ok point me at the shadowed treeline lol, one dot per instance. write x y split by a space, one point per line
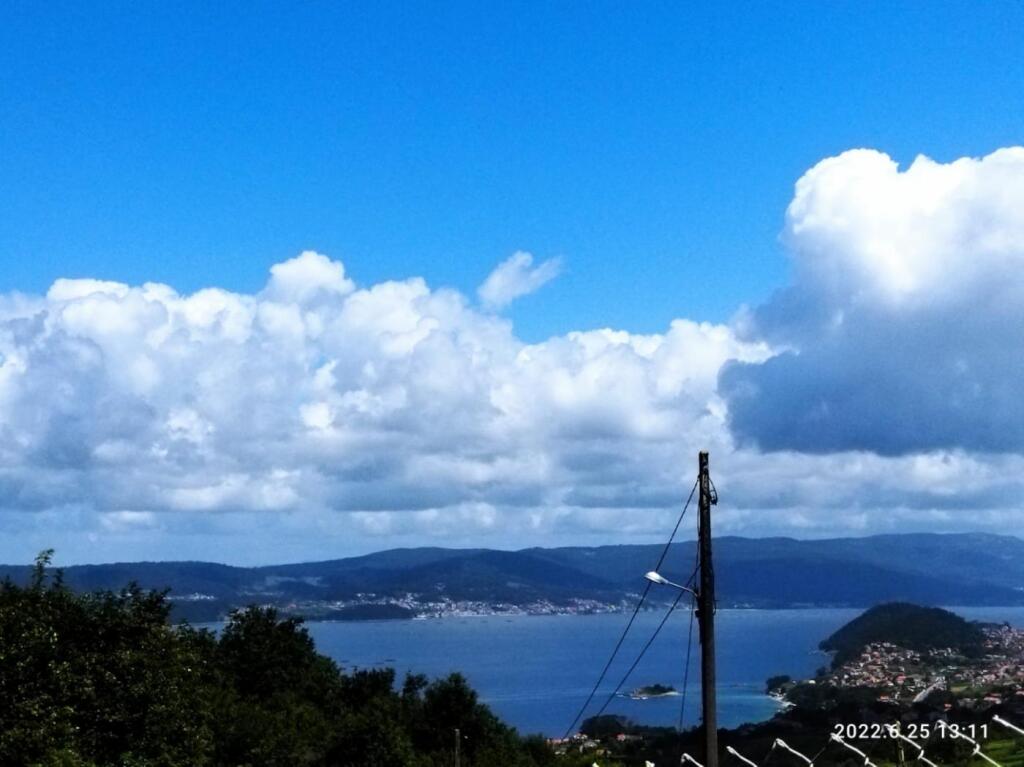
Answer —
103 678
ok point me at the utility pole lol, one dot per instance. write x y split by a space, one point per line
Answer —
706 613
458 738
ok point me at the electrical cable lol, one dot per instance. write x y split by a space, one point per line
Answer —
632 618
639 657
664 551
686 673
689 647
607 665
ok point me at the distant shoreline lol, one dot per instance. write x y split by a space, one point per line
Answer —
763 574
509 616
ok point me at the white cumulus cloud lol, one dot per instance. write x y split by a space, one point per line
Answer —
879 391
905 320
313 397
516 276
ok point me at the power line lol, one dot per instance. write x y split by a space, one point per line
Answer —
664 551
689 646
686 673
639 657
607 665
632 618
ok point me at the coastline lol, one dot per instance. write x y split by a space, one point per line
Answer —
540 690
443 615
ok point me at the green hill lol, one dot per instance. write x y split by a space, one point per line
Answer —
924 569
910 626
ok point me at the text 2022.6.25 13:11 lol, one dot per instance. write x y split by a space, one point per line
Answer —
976 732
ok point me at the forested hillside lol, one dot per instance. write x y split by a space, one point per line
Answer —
909 626
962 569
90 679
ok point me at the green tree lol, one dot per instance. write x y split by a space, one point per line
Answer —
98 677
102 679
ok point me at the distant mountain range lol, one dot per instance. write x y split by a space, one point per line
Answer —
927 569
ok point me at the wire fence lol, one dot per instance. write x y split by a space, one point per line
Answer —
947 730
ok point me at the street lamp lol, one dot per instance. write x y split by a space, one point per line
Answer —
655 577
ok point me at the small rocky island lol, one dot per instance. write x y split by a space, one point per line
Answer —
653 691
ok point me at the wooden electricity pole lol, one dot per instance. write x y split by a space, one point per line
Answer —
706 613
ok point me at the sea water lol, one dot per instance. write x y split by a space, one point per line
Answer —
535 672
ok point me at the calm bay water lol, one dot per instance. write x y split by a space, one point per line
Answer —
536 671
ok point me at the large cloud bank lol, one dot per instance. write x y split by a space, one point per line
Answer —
905 320
880 391
317 396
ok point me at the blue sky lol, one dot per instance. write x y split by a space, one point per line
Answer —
292 281
652 146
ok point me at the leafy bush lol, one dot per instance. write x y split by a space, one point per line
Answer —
89 680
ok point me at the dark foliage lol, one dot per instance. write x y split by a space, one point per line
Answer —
606 725
775 683
102 678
